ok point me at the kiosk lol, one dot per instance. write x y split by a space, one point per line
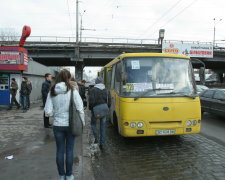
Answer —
13 61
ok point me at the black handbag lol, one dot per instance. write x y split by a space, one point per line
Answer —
75 122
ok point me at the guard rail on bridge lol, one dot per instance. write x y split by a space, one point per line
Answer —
56 40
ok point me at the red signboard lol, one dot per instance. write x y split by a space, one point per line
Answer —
13 58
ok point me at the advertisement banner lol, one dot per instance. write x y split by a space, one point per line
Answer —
189 49
13 58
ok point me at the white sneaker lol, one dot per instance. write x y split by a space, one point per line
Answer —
70 177
62 178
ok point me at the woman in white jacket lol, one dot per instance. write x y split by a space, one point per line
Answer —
57 105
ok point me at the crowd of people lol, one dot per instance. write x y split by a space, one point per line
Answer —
56 96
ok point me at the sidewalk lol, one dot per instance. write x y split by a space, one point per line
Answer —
33 147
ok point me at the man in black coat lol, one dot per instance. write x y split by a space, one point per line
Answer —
24 92
44 91
13 92
30 89
82 91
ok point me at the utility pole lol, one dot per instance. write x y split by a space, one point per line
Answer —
77 21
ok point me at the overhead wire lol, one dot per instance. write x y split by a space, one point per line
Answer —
68 8
161 17
179 13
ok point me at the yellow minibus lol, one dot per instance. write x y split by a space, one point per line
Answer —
153 94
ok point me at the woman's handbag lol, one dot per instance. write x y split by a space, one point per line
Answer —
100 110
75 122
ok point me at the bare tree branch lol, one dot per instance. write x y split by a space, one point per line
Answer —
8 35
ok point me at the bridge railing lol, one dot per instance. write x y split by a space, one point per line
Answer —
72 40
40 40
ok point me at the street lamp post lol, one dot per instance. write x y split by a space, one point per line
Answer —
214 31
81 22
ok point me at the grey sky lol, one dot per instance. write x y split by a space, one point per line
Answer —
182 20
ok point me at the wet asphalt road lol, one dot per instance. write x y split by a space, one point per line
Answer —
187 157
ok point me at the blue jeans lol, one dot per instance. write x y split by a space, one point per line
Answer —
24 101
102 127
64 141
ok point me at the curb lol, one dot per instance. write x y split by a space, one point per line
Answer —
87 170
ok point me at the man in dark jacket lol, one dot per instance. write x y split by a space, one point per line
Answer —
44 91
29 92
24 92
13 91
99 95
82 92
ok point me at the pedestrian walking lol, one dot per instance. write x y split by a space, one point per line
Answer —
82 92
24 92
29 92
13 92
44 91
57 104
99 100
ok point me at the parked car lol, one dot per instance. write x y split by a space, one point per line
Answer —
213 101
201 88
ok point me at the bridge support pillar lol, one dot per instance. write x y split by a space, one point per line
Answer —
79 66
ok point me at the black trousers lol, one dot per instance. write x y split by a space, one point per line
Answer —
13 100
46 119
28 101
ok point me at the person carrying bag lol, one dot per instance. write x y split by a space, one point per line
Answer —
99 103
65 109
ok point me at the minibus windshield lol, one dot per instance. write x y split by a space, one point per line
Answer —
157 76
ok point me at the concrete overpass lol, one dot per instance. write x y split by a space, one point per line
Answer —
62 51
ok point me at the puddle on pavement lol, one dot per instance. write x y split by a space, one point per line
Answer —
32 146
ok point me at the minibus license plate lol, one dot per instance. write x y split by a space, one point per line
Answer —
165 132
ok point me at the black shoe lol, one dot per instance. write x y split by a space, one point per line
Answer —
10 108
101 147
96 141
18 107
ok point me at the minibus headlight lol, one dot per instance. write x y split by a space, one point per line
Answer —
133 124
140 125
194 122
188 123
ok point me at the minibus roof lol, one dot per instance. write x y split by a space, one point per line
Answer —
120 57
